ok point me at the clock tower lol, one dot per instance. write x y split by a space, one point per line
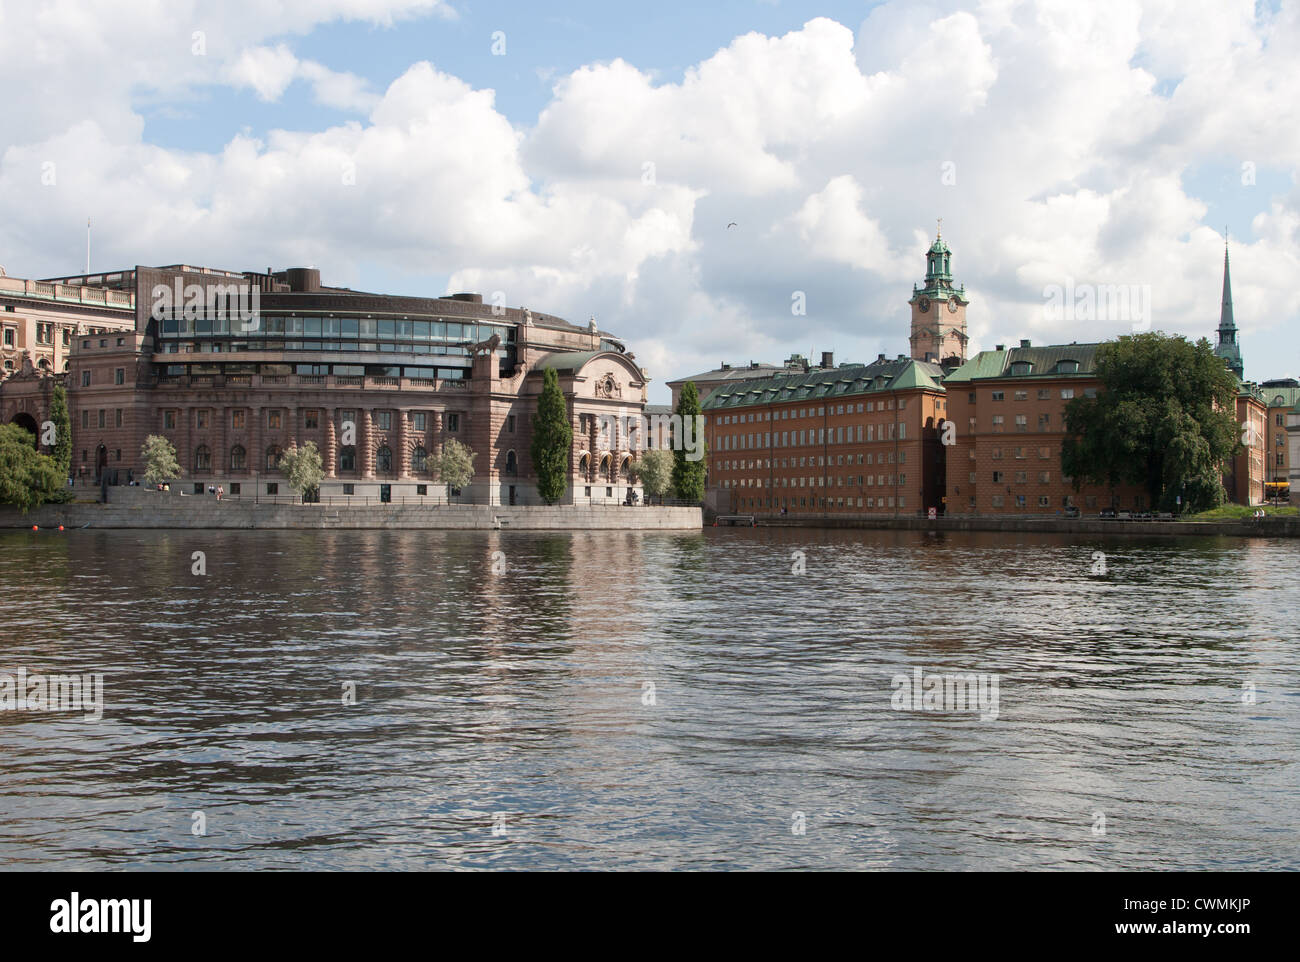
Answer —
939 310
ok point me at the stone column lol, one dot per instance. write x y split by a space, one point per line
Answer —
403 446
292 426
365 444
257 432
330 454
221 452
187 458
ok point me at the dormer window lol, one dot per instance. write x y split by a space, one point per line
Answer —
1021 368
1067 367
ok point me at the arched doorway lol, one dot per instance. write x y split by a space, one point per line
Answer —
28 423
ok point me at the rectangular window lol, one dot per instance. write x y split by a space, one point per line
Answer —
510 424
237 420
997 424
1044 477
384 420
169 420
996 454
310 419
117 418
453 422
1020 477
1067 393
997 477
422 489
349 489
101 417
1022 422
119 375
419 421
273 488
234 488
1044 393
1044 422
85 378
85 419
998 395
997 500
273 420
1022 395
201 419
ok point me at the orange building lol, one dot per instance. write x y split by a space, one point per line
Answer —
859 439
1008 413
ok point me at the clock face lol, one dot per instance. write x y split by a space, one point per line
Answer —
923 304
952 304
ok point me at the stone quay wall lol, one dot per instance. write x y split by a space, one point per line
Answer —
209 513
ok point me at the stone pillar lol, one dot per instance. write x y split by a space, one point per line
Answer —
187 435
292 426
403 445
366 445
221 451
257 432
330 454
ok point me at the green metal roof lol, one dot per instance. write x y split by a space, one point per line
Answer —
568 360
1047 361
1290 396
845 381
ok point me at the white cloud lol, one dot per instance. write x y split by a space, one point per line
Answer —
1068 129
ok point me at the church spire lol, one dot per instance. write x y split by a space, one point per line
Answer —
1226 323
1228 347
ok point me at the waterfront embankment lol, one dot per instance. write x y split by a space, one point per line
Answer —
1243 528
200 512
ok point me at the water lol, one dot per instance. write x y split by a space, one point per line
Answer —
504 720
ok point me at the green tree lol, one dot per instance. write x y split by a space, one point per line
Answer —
1165 419
62 452
688 446
160 464
27 477
454 467
552 440
654 469
302 466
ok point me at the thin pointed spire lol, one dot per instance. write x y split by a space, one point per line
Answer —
1226 323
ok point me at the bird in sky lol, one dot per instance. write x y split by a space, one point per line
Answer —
732 224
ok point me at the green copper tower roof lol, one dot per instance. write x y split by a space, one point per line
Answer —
938 275
1228 347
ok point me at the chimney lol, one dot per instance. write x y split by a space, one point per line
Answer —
931 357
880 359
828 360
1024 342
726 366
1000 347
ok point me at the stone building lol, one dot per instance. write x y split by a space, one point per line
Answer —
234 368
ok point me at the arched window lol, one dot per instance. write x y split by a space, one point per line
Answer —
605 470
348 458
67 366
44 364
202 458
512 465
237 458
584 466
419 459
625 469
273 457
384 459
9 365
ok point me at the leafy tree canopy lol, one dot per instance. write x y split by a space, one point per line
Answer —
1164 418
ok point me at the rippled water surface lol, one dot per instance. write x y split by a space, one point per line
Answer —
1147 718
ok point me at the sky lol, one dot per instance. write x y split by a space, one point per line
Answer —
586 159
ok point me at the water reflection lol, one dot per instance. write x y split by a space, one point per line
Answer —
504 679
